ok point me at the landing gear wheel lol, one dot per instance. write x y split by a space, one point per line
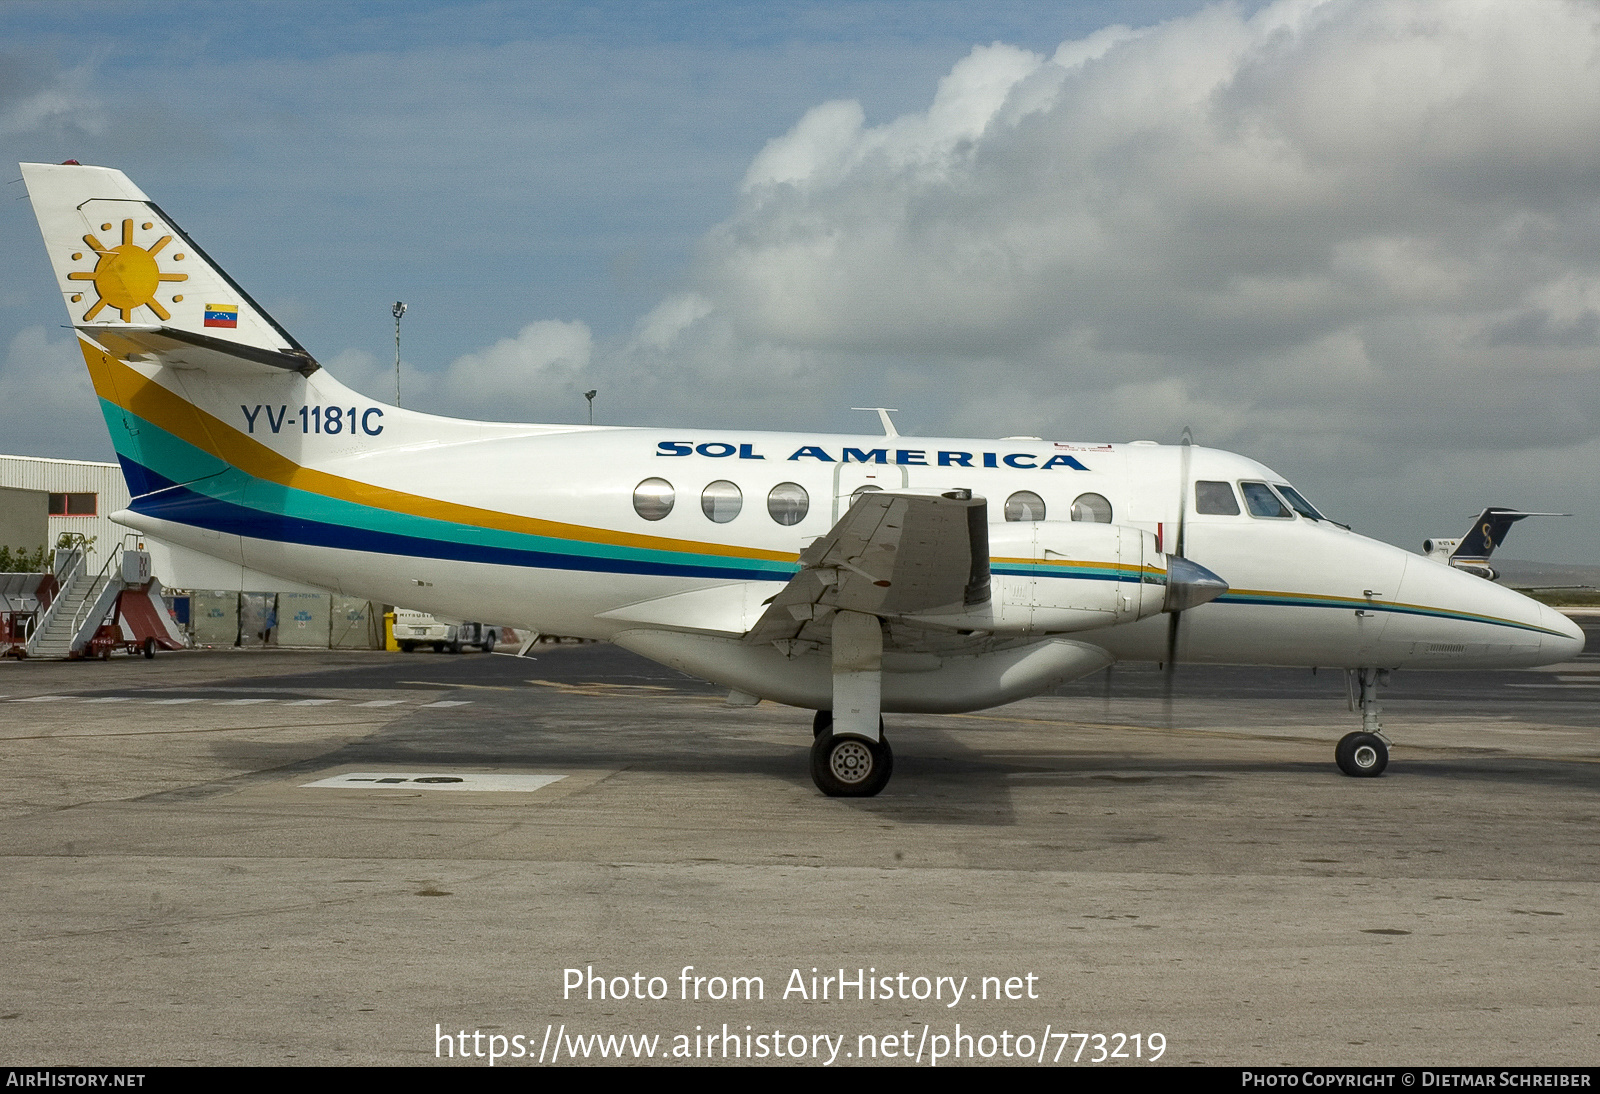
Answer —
149 649
821 723
1362 755
849 766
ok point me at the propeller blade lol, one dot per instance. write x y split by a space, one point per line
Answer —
1192 581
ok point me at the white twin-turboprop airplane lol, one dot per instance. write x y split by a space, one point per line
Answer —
852 575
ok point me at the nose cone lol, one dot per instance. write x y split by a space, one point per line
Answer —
1453 619
1190 584
1566 643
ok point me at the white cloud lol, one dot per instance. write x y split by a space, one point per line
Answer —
531 377
1374 220
47 406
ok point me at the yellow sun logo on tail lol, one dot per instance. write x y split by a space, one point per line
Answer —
126 277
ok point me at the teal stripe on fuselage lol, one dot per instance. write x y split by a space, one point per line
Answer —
153 447
1082 573
178 458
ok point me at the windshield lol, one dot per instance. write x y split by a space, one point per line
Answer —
1262 502
1298 503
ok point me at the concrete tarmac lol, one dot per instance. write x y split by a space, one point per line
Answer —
1092 874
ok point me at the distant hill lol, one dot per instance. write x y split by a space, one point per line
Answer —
1521 574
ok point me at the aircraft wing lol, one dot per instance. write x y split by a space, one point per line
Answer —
891 553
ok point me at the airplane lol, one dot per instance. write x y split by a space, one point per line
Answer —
852 575
1471 552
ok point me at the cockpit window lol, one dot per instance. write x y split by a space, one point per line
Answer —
1298 503
1262 502
1215 499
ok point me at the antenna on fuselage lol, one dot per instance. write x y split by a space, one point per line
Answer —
883 416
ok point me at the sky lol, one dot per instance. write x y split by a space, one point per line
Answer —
1359 242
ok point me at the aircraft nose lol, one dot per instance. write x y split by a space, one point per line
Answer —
1570 639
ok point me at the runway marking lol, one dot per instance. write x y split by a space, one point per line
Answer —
434 780
453 687
598 688
232 702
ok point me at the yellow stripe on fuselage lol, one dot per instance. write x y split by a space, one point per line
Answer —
138 394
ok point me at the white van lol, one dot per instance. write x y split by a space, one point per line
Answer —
413 629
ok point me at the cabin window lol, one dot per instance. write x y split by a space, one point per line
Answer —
1092 508
1215 499
1262 502
1298 503
72 505
1024 506
721 501
788 503
653 498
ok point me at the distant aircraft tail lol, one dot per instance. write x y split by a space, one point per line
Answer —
1471 552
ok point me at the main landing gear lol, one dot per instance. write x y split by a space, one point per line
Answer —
1364 755
846 766
850 757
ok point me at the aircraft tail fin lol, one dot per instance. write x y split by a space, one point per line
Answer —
133 280
1488 532
1471 552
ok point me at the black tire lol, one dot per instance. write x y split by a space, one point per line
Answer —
488 642
1362 755
438 647
847 766
821 723
455 647
408 647
149 649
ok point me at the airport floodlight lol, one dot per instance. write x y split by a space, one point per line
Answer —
589 395
397 311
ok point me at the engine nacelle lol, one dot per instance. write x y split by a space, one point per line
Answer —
1056 577
1440 549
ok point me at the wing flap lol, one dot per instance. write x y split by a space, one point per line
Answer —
892 553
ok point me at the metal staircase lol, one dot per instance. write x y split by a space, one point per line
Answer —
83 604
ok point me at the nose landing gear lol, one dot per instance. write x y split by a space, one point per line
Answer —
1364 755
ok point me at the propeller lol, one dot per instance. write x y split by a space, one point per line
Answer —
1188 583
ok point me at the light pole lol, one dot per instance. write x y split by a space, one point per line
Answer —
398 310
590 396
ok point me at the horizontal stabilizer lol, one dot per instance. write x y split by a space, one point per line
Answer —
177 348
